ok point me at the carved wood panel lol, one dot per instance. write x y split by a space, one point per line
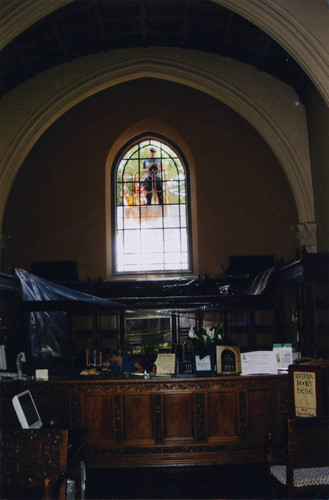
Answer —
263 415
137 419
222 415
200 416
98 418
178 415
54 407
182 421
27 457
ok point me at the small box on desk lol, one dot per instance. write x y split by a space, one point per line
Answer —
228 359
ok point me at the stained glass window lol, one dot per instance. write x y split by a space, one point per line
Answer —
151 222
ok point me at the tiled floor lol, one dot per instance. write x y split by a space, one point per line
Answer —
198 482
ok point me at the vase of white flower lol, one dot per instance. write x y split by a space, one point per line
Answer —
205 339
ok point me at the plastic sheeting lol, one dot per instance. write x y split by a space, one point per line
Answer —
260 282
49 329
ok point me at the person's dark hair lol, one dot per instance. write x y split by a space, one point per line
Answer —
108 353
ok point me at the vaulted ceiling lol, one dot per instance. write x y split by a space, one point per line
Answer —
87 27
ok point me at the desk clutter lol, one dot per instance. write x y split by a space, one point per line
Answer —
183 360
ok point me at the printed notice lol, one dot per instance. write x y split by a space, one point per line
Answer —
165 364
203 364
258 362
305 394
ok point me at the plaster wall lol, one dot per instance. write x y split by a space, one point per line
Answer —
318 119
262 100
242 203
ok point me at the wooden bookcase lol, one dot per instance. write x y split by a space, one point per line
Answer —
294 309
303 301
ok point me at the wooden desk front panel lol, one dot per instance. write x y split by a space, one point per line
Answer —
97 416
179 418
263 413
223 415
167 422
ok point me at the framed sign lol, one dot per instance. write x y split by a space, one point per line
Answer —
165 364
305 391
228 359
203 366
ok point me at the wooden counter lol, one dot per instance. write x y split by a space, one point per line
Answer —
163 421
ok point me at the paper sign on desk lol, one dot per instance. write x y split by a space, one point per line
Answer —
259 362
203 364
165 364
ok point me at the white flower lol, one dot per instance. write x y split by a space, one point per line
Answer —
210 330
191 333
204 337
219 336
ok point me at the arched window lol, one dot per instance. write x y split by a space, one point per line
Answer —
151 209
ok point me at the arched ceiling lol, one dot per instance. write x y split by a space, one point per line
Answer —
88 27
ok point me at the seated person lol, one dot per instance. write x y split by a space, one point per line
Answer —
122 362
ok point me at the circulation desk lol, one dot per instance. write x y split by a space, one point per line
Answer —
159 421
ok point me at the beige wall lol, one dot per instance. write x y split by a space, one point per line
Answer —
318 119
56 209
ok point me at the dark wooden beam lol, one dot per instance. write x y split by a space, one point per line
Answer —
19 55
228 31
263 53
186 24
143 21
99 20
57 35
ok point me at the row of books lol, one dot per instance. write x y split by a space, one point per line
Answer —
93 358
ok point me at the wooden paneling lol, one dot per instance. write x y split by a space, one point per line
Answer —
137 419
222 415
178 411
29 458
262 413
164 421
83 323
108 322
98 418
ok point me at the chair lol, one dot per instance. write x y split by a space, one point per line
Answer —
33 463
304 467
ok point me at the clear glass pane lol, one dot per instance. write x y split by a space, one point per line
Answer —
167 151
152 267
119 218
131 167
119 250
119 194
155 258
151 241
173 258
172 240
171 216
184 241
183 217
131 241
180 266
151 216
131 217
120 170
173 191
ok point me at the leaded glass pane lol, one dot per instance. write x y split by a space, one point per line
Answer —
151 209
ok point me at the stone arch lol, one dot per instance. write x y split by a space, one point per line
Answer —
219 81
